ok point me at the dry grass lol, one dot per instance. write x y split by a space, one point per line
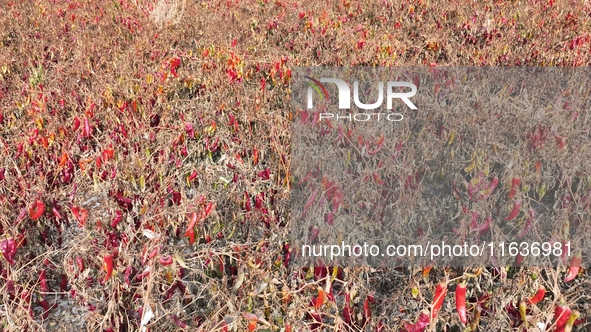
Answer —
134 75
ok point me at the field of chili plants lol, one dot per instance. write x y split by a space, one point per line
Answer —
145 164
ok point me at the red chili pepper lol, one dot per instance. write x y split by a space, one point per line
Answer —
63 160
46 308
174 64
514 211
108 153
366 310
153 254
561 315
209 209
143 274
420 325
76 124
117 219
80 263
255 156
539 296
573 269
107 266
165 260
440 292
514 185
319 301
461 301
529 222
8 250
193 176
191 234
347 315
194 218
63 283
87 130
81 214
37 210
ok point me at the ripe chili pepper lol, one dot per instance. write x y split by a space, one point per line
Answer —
63 283
8 250
194 218
209 209
514 211
347 314
366 311
143 274
514 185
539 296
440 292
81 214
165 260
426 272
117 219
529 222
561 315
87 130
63 160
37 210
76 124
420 325
153 254
107 266
174 64
108 153
461 301
255 156
573 269
80 263
191 234
320 299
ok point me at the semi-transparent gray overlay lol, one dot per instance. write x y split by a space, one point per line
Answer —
476 160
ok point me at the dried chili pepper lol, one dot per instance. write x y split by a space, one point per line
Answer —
514 185
561 314
461 301
319 301
420 325
37 210
347 312
440 292
573 269
8 250
117 219
514 211
80 263
539 296
191 234
81 215
165 260
107 266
